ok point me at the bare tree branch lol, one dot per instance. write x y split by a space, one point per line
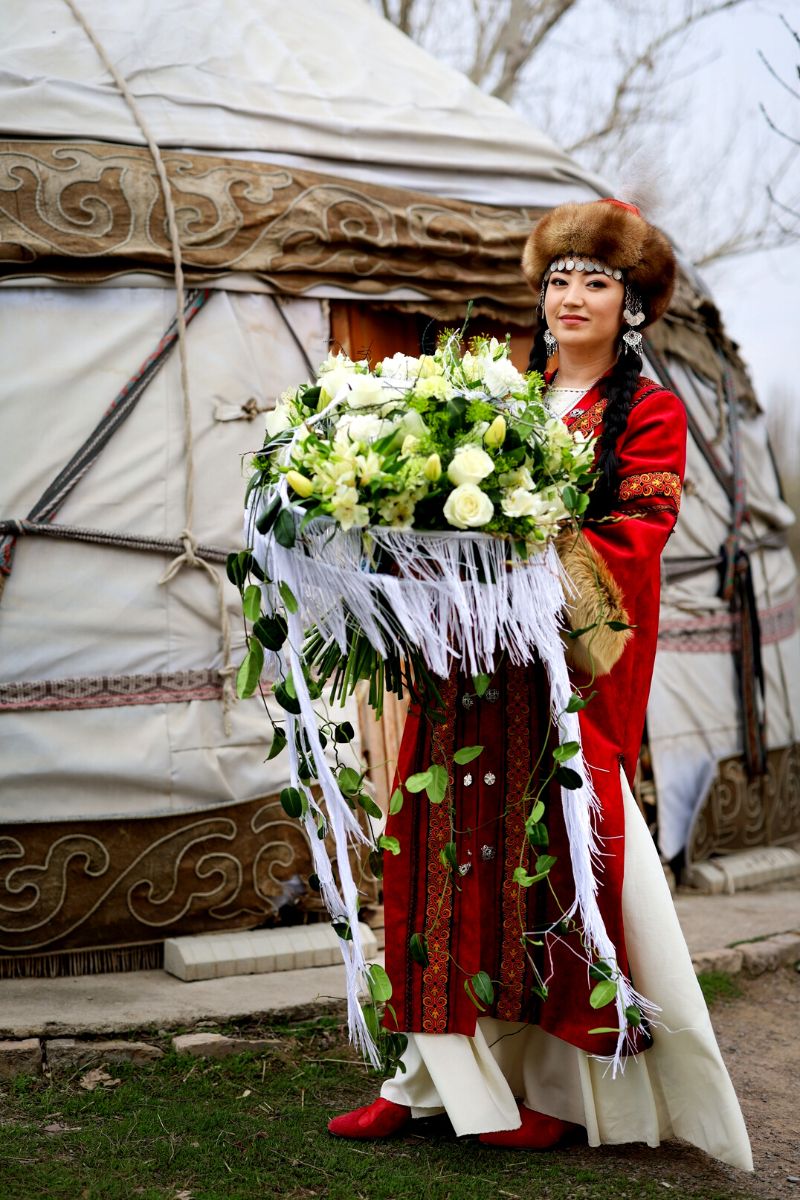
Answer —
776 129
644 63
775 74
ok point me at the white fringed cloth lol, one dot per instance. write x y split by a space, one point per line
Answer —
452 597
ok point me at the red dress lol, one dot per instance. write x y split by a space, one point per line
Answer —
472 918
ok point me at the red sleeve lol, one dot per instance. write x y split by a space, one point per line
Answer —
652 458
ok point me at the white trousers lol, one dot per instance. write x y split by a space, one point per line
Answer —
677 1088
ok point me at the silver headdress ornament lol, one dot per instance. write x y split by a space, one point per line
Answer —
632 316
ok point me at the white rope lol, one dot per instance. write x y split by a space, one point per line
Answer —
189 557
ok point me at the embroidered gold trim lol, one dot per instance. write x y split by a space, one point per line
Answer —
652 483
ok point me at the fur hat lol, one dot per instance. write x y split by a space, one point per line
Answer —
609 232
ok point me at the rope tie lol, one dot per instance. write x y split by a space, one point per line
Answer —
189 557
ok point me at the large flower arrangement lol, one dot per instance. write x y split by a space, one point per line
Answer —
398 520
442 440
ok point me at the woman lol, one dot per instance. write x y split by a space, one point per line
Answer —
523 1063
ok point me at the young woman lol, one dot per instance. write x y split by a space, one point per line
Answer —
530 1062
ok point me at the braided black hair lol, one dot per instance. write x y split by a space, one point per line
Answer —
619 388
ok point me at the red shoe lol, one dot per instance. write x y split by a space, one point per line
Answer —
537 1132
380 1119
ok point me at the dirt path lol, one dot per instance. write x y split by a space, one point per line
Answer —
758 1036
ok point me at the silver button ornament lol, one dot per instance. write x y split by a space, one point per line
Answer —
467 701
464 869
492 695
490 778
467 780
488 853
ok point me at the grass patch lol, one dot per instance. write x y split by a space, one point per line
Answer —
718 985
254 1126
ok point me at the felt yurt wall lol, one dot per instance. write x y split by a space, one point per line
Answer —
332 184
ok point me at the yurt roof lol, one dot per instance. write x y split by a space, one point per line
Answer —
329 86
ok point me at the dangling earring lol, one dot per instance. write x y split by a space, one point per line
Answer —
632 316
551 344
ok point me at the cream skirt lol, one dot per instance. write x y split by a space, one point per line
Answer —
677 1088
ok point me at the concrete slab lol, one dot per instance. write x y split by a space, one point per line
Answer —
713 922
136 1000
139 1000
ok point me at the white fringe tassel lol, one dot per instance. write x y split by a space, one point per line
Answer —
437 599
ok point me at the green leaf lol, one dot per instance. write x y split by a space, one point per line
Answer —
577 703
380 985
566 751
537 833
571 496
237 567
343 929
285 531
605 1029
603 993
481 683
278 744
396 801
466 754
480 986
292 802
633 1015
376 863
271 631
314 883
576 633
290 703
536 813
249 672
418 949
617 626
389 843
544 862
418 782
369 806
287 596
267 518
569 779
291 690
436 786
601 970
522 877
343 732
349 781
447 856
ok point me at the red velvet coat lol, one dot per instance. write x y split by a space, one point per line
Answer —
472 919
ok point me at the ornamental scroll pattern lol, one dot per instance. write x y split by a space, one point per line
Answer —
739 813
84 212
117 883
651 483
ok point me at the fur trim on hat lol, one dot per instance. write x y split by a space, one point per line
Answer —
599 600
609 233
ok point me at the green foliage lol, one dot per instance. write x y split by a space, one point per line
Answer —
603 993
718 985
389 843
395 801
418 949
249 672
288 597
293 802
480 990
466 754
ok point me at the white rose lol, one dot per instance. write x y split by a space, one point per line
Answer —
277 420
501 376
365 390
520 503
518 478
468 507
365 427
470 464
333 382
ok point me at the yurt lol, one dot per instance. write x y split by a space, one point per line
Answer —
330 184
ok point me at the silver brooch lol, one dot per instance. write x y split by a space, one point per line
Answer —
467 779
492 695
464 868
488 853
467 701
489 777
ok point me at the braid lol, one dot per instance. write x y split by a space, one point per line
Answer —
538 355
620 388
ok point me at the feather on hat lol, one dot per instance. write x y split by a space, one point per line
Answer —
613 233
